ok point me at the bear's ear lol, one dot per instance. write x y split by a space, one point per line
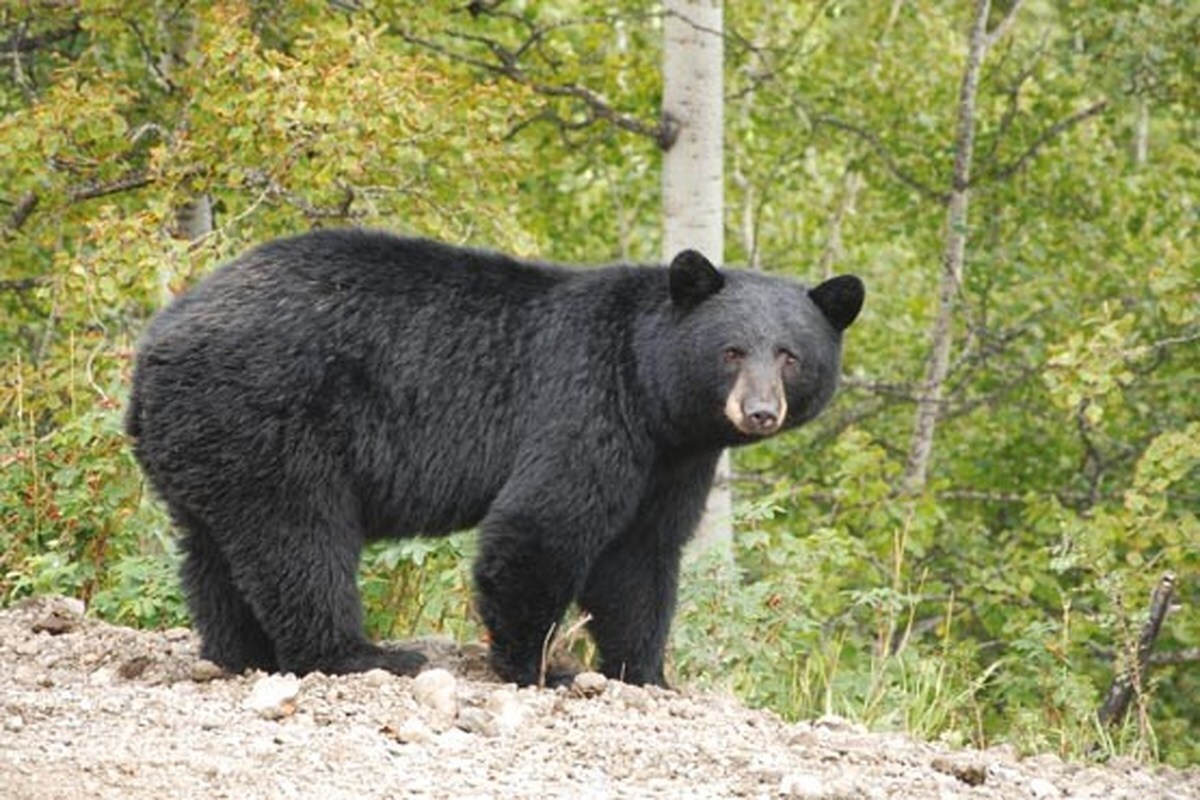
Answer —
840 299
693 279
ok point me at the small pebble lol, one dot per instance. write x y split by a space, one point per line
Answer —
204 671
802 784
413 731
273 696
475 720
1040 787
377 677
589 684
966 768
437 690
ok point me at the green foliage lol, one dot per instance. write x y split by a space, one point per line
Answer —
282 120
997 603
418 585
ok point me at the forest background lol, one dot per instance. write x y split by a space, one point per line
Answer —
993 593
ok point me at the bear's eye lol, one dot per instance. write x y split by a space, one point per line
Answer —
789 358
733 354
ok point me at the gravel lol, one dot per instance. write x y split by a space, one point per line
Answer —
91 710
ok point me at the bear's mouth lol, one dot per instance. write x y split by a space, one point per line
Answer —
756 417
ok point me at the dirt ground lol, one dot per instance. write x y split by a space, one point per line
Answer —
89 710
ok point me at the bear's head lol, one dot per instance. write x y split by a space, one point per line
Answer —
752 355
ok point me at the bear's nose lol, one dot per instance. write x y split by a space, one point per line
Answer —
762 420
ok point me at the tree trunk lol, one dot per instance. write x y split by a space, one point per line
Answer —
693 182
1141 133
929 403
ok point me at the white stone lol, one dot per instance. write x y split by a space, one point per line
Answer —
589 684
377 677
413 731
273 696
509 714
802 784
1040 787
437 690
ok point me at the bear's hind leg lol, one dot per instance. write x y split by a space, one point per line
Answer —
301 581
231 635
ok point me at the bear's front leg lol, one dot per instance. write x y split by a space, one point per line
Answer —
630 590
524 584
538 542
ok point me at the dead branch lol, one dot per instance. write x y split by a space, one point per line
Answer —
21 211
1132 679
136 179
28 202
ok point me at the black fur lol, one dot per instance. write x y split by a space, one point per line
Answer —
341 386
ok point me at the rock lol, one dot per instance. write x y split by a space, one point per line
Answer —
134 667
836 724
508 713
176 634
802 784
967 768
801 734
437 690
1040 787
62 615
1003 753
589 684
473 719
204 671
413 731
105 676
1044 762
634 697
273 696
14 723
377 677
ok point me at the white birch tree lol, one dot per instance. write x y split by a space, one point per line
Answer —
693 178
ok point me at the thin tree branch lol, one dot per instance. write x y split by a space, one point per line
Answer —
20 43
1013 94
132 180
1132 679
22 284
1005 25
873 141
1007 171
1189 655
508 67
600 109
929 408
832 251
148 56
21 211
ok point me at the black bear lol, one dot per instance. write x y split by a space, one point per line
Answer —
333 388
